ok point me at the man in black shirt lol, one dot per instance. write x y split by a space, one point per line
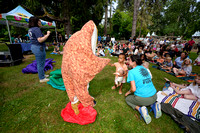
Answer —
108 39
125 49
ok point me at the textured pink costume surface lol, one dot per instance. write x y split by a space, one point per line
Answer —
80 65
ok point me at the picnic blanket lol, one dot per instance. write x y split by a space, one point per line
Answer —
183 77
32 68
56 80
188 107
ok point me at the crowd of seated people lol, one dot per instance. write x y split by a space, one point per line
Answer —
161 52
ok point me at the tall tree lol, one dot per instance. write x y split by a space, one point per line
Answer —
131 6
135 14
106 17
110 23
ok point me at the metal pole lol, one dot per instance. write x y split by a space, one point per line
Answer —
56 33
8 31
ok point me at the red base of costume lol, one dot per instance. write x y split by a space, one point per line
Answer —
86 114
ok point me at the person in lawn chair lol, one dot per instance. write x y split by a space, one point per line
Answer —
80 65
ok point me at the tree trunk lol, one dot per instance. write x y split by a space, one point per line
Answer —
140 28
106 19
110 15
135 13
66 18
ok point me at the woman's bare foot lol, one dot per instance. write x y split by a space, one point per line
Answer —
113 87
120 92
172 85
166 79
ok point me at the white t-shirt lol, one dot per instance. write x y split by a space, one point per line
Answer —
161 42
101 52
179 46
66 37
145 40
141 39
195 89
113 39
198 59
136 51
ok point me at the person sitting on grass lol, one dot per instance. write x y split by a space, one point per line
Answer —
179 60
100 51
139 51
146 65
143 58
120 65
191 92
186 68
167 64
150 57
197 61
110 50
56 50
144 90
160 59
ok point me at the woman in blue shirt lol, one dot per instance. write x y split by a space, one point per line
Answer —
143 88
38 46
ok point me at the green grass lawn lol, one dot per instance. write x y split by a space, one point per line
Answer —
29 106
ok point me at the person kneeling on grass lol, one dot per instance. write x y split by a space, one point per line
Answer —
144 90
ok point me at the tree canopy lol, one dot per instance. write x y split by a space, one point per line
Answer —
165 17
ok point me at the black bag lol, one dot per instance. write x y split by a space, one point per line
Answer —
184 121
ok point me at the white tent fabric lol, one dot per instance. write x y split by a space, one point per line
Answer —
196 34
148 35
153 34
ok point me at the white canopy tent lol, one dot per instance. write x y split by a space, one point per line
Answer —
148 35
196 34
19 17
153 34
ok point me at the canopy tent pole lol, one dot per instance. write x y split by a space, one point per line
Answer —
56 33
8 31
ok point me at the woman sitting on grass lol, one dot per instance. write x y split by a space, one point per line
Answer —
179 60
144 90
191 92
151 56
186 68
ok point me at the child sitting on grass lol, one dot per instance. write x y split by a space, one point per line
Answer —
110 50
120 65
167 64
146 65
186 68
